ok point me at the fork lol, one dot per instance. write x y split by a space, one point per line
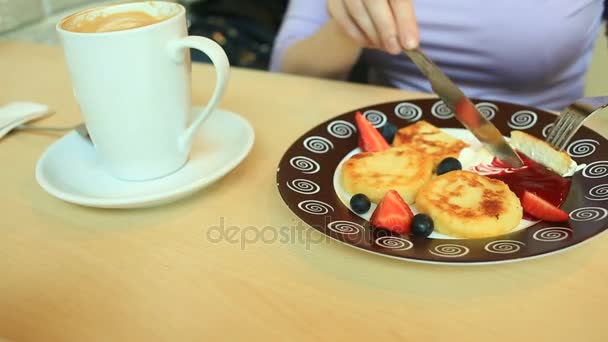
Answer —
572 118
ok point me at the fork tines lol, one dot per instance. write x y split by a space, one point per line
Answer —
569 121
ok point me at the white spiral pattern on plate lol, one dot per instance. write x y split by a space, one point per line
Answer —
582 148
375 117
305 164
597 169
341 129
523 119
345 227
315 207
547 130
303 186
552 234
589 214
393 242
487 109
450 250
317 144
441 110
598 193
408 111
504 246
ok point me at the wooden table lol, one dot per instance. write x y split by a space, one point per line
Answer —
70 273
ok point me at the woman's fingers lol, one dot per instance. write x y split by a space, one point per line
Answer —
384 22
357 11
405 17
340 14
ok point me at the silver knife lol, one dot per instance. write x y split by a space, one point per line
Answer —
472 119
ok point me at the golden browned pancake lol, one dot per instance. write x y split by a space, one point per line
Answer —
430 140
375 173
467 205
541 152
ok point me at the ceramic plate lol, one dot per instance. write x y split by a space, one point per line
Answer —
308 181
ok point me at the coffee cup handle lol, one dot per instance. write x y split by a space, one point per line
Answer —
177 49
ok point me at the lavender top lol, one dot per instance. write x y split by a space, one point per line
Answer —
528 52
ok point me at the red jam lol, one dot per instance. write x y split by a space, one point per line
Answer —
533 177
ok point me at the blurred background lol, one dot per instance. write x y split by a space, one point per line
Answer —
245 28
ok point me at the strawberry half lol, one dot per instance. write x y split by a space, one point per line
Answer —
541 209
392 213
370 139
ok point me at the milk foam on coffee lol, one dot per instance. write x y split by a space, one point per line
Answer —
109 22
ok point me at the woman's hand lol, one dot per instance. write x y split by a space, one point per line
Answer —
389 25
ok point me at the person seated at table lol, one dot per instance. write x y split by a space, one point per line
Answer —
528 52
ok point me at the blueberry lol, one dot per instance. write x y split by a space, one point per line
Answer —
360 203
388 131
422 225
447 165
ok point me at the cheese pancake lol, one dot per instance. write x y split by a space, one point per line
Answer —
541 152
375 173
465 204
430 140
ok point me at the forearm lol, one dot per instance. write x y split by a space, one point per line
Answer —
328 53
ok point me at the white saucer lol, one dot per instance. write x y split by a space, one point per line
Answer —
69 169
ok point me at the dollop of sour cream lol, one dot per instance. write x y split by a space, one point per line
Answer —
471 156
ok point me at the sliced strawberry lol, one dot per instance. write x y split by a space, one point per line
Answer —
392 213
541 209
370 139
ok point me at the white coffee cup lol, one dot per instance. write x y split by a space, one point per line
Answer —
133 88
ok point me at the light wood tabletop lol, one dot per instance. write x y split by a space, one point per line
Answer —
71 273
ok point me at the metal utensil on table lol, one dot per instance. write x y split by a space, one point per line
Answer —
572 118
80 129
470 117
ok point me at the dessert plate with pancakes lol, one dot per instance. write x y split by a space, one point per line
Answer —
406 180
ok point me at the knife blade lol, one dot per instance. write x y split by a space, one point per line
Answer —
464 110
